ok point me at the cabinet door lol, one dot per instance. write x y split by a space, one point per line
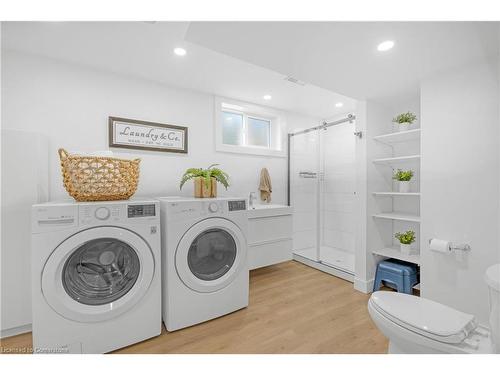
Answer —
24 182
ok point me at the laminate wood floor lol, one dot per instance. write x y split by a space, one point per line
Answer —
293 309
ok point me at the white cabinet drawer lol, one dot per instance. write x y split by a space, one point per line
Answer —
269 253
264 229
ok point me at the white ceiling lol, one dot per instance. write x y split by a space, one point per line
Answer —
342 56
144 50
246 60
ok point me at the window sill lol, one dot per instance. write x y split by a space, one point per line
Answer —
251 151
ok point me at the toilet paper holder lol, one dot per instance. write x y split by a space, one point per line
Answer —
462 247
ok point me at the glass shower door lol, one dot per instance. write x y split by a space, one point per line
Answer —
304 194
337 196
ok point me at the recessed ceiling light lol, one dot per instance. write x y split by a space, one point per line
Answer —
385 46
267 97
339 104
179 51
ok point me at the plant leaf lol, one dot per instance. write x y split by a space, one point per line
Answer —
207 174
220 176
212 165
190 174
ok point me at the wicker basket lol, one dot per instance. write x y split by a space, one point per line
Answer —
98 178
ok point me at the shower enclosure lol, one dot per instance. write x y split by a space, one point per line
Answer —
322 191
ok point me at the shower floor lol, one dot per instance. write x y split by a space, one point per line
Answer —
330 256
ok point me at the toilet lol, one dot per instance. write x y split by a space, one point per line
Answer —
416 325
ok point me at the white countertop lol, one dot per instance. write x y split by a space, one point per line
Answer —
266 210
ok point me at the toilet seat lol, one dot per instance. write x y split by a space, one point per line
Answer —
425 317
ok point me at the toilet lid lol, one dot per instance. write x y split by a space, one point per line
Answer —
492 277
425 317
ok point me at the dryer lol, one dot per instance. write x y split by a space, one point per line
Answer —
204 259
96 283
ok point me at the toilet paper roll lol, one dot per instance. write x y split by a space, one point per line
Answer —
440 245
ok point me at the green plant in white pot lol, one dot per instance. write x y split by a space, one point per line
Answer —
404 120
405 240
403 177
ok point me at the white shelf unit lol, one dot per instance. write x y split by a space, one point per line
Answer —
398 160
394 252
395 194
402 216
403 151
405 136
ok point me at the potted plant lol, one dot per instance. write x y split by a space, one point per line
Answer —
405 240
205 180
404 120
404 178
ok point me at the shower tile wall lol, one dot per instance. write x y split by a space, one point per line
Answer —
338 188
304 158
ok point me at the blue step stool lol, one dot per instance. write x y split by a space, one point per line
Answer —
398 274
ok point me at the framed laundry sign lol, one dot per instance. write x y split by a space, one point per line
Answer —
145 135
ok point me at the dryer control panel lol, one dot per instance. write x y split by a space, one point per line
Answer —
239 205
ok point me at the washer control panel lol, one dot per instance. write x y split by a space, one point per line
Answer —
90 214
61 215
102 213
141 210
114 213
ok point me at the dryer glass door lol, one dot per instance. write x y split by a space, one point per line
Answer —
212 254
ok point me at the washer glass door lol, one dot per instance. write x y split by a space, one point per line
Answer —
101 271
98 274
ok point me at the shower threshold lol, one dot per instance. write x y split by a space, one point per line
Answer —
336 262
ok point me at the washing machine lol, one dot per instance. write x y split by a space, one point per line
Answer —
96 283
204 259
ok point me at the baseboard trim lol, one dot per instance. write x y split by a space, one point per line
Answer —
4 333
324 268
365 286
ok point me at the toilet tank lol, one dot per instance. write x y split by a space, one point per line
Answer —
492 278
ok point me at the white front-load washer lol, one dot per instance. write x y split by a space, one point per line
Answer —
96 283
204 259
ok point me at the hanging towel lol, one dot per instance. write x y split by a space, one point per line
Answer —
265 186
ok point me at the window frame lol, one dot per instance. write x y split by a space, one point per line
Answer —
277 127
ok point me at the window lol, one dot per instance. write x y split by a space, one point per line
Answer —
239 129
232 128
258 132
248 128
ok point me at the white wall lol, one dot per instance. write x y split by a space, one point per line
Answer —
460 183
71 104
